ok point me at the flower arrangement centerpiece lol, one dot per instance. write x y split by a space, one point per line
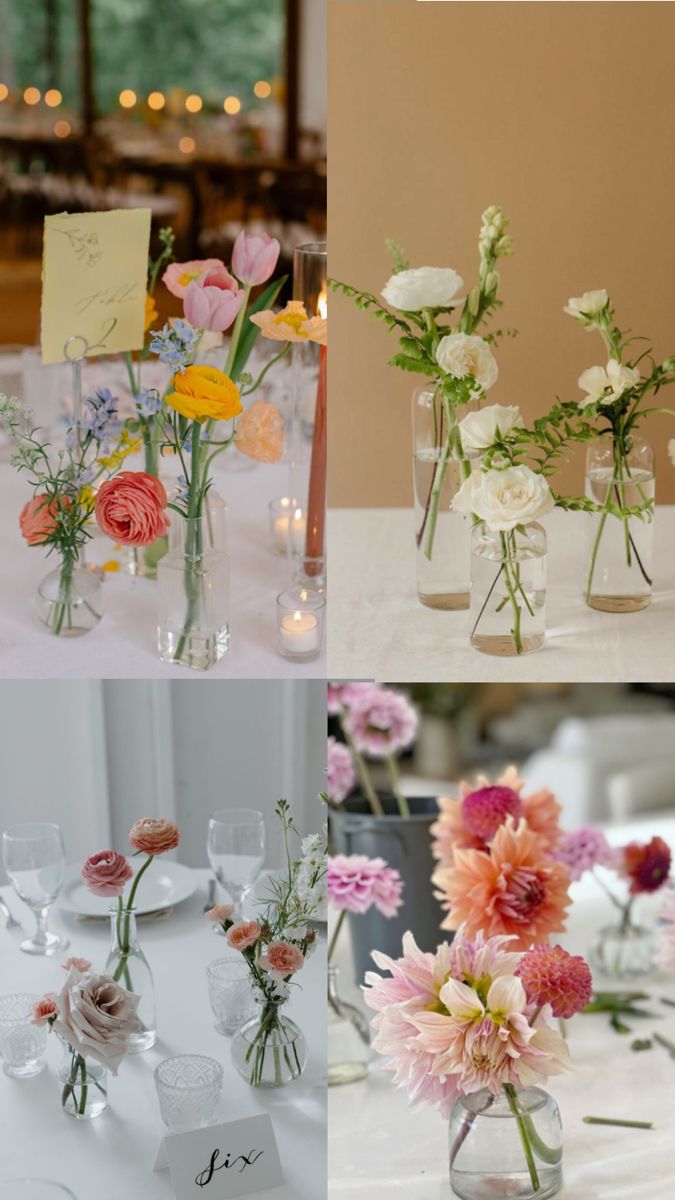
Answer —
439 340
95 1019
270 1049
59 516
106 874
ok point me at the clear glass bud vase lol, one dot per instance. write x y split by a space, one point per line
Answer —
129 967
506 1145
194 591
348 1037
624 951
269 1050
620 479
443 537
508 590
84 1091
70 600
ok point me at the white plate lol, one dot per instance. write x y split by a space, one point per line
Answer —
163 885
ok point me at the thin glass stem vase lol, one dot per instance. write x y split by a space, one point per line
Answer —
194 592
70 599
509 1144
348 1037
443 537
84 1091
508 590
129 967
620 478
269 1051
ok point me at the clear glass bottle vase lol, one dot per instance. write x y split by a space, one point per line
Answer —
194 591
70 600
84 1085
128 965
443 537
620 478
508 590
624 951
269 1051
348 1036
506 1145
141 561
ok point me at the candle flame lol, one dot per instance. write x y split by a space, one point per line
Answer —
304 595
297 514
322 304
297 616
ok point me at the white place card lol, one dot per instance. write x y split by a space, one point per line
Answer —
236 1158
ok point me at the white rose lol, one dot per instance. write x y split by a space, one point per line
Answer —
504 499
462 354
478 430
423 287
588 307
607 384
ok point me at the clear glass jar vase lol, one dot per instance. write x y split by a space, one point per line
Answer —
70 600
620 546
348 1037
624 951
508 590
443 537
194 591
269 1051
129 967
506 1145
84 1094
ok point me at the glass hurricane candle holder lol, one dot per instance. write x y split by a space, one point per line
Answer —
188 1089
286 523
230 996
506 1145
22 1044
300 619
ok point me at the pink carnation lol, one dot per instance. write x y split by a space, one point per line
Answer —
243 934
584 849
381 722
81 964
552 976
341 775
220 913
44 1009
280 960
356 882
106 873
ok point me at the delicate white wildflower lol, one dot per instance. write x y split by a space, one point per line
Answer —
605 385
587 308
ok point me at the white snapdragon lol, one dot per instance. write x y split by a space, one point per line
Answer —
423 287
587 308
462 354
505 498
605 385
479 430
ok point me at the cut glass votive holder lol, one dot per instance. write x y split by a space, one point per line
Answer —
287 522
22 1044
230 994
34 1189
300 620
188 1089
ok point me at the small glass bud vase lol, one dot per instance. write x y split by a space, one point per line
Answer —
506 1145
70 600
620 546
508 590
269 1051
348 1037
194 591
129 967
443 537
84 1092
624 951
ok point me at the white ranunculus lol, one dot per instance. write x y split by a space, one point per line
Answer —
463 354
504 499
423 287
478 430
588 307
605 385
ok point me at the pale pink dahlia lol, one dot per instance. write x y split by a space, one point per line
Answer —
552 976
341 695
381 722
584 849
340 775
356 882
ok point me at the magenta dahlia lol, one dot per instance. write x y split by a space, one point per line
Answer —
487 808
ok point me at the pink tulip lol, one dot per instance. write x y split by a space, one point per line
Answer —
211 308
254 257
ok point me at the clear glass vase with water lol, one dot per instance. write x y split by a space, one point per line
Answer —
620 479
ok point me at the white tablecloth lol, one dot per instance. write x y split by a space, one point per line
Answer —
378 628
113 1156
123 645
382 1149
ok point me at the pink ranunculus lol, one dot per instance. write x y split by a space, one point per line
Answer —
131 508
81 964
243 934
178 276
154 835
254 257
220 913
282 959
211 308
106 873
44 1009
37 519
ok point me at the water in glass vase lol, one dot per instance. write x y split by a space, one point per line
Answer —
619 577
508 591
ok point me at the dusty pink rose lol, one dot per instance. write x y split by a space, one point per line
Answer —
106 873
81 964
260 432
178 276
44 1009
220 913
131 508
37 519
254 257
243 934
154 835
211 306
281 959
96 1016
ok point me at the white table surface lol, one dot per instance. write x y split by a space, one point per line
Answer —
122 646
113 1156
404 1153
378 629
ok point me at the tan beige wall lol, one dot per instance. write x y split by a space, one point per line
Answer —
563 113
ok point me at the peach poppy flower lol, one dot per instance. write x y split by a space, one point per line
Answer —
511 888
292 324
260 432
178 276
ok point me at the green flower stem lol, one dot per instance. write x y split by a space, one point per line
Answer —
236 332
193 542
508 542
362 772
395 776
126 912
336 933
63 606
617 1121
452 446
512 1097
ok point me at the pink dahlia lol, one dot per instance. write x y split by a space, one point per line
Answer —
340 776
485 810
584 849
552 976
381 721
356 882
341 695
646 865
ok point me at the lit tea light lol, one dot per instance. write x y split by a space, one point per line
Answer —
287 521
299 633
300 616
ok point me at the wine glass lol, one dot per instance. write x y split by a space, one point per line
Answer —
236 850
35 861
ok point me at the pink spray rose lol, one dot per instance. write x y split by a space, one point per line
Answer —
220 913
213 302
178 276
106 873
154 836
44 1009
37 519
281 959
254 257
96 1016
130 508
243 934
81 964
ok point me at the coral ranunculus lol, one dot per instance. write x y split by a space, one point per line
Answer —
38 519
204 393
131 508
260 432
152 835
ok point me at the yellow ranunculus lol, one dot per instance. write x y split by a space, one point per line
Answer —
203 394
151 313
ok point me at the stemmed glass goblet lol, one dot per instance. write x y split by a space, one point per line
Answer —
35 861
236 850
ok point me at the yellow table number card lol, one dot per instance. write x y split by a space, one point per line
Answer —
94 273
